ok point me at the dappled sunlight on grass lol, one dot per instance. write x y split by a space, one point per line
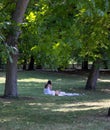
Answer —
33 80
33 110
106 90
104 80
2 80
44 106
6 103
72 107
58 79
33 104
83 106
3 120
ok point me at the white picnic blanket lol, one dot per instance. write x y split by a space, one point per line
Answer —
68 94
47 91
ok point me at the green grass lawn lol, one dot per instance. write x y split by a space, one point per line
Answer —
35 111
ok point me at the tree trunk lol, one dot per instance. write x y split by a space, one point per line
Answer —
93 76
109 112
11 78
24 64
105 62
85 65
0 63
11 72
31 63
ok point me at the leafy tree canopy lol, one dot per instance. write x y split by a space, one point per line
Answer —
82 29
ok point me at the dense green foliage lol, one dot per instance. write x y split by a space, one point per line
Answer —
77 29
58 31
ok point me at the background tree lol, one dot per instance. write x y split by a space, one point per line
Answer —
109 112
83 26
99 41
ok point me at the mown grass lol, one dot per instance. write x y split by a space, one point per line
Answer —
35 111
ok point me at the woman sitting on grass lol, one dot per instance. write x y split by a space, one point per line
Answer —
48 90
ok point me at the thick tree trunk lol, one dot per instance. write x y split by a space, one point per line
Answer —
93 76
11 78
11 72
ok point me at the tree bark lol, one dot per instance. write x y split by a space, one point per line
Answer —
24 64
31 63
109 112
12 41
11 78
105 62
93 76
85 65
0 63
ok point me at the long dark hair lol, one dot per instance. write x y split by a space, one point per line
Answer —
49 82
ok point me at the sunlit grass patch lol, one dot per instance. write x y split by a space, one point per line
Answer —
33 80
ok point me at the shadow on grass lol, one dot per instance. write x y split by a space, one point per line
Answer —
33 110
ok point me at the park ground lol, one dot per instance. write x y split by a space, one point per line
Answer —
33 110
